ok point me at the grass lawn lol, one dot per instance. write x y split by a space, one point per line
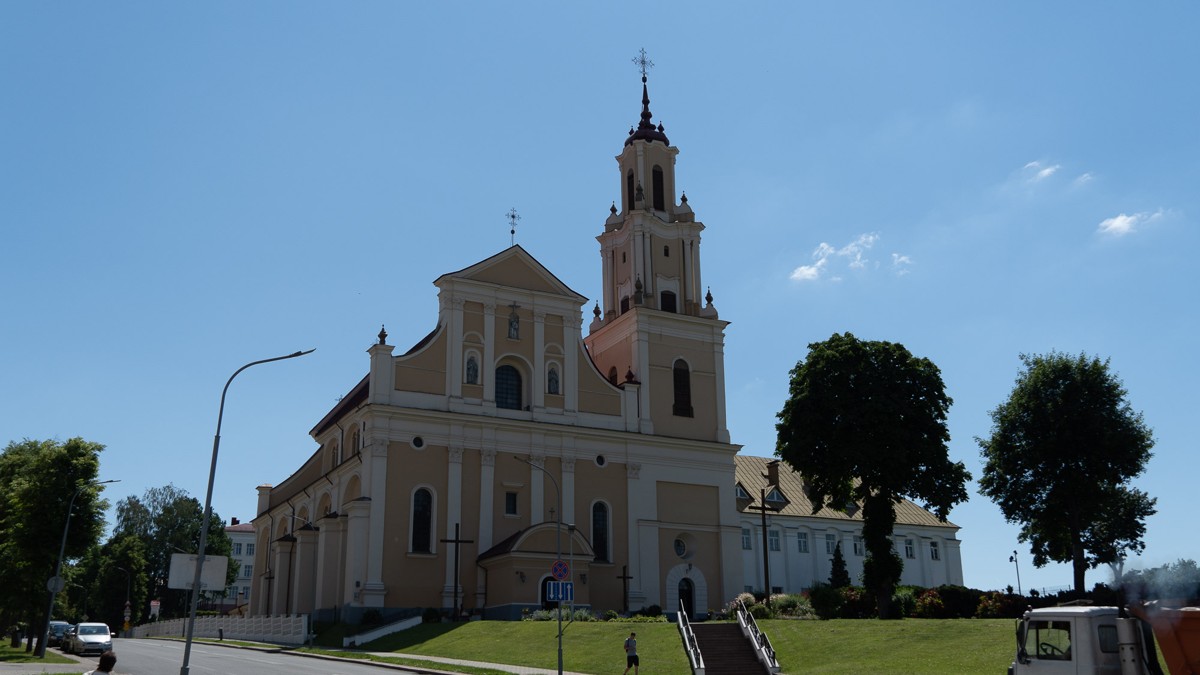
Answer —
17 655
914 646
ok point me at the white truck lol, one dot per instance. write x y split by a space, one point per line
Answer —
1109 640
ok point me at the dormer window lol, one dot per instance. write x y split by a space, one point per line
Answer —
775 497
740 492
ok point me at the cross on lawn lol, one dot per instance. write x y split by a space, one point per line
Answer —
456 541
625 578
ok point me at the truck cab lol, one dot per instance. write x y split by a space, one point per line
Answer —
1079 641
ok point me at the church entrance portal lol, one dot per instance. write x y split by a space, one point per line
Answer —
686 597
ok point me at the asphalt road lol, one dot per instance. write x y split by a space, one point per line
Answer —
165 657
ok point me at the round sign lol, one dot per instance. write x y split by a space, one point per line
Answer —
560 570
56 584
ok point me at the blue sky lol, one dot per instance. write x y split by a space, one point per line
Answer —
187 188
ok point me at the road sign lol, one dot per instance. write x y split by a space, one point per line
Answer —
560 591
56 584
560 570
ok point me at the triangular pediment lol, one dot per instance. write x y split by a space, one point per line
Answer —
513 268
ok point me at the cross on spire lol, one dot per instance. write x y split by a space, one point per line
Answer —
512 225
644 64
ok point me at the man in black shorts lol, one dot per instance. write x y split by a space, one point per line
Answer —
631 657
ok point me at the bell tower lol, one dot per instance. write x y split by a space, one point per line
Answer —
655 325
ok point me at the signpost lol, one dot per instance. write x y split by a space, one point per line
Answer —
560 591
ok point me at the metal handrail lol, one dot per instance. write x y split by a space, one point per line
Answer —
695 659
762 644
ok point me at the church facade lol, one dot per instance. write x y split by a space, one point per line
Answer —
456 474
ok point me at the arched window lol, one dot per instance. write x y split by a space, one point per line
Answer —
629 189
552 384
666 302
422 521
600 531
508 388
683 390
625 304
656 184
612 376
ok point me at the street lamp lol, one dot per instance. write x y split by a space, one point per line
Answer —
212 471
1013 559
56 584
557 547
128 608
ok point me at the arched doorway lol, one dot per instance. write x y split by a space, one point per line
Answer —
687 596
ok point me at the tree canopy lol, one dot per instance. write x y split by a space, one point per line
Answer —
865 421
1059 459
37 481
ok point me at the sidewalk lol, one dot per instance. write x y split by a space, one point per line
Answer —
518 670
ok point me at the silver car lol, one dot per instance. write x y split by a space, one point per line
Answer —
90 637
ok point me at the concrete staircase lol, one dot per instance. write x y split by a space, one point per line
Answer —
725 650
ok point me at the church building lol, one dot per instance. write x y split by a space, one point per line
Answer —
455 474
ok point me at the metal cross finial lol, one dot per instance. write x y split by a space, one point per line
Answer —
644 64
512 225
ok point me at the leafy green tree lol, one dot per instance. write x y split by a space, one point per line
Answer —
839 576
167 521
865 422
37 481
1061 453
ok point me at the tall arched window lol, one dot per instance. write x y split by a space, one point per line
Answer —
656 185
629 190
422 521
508 388
600 531
683 390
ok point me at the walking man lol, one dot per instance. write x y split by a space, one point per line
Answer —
631 657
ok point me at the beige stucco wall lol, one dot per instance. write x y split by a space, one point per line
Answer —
413 579
424 371
702 425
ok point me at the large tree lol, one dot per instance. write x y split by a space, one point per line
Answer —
865 422
1059 459
37 481
167 521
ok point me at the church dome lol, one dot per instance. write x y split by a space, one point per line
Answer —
646 131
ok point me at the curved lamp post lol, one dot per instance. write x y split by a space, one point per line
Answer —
56 584
557 547
212 470
1013 559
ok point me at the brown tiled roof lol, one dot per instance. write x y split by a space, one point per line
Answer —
750 475
240 527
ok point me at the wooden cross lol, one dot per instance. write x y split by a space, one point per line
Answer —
766 553
456 541
625 579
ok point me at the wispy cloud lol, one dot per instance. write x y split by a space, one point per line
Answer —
1121 225
1083 179
1036 172
854 254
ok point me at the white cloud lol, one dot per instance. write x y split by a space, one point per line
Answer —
1084 179
1036 171
901 264
1121 225
854 252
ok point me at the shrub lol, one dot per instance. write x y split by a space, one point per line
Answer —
930 605
431 615
611 615
826 601
856 603
904 600
760 611
582 615
792 604
746 599
540 615
960 602
371 617
652 610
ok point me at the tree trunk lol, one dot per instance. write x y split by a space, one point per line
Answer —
1079 566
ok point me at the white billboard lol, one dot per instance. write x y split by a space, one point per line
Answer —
183 571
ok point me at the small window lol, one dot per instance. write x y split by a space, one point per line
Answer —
934 552
683 390
666 302
745 539
776 497
830 543
858 546
510 503
237 548
247 571
802 542
910 550
1106 635
776 590
773 540
740 492
552 381
249 549
681 548
666 251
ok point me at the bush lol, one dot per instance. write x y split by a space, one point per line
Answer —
826 601
904 600
930 605
857 603
792 604
996 605
960 602
746 599
371 617
652 610
582 615
431 615
611 615
760 611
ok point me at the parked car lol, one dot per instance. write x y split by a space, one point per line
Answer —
68 633
57 628
90 637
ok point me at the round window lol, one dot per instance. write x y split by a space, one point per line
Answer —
600 461
418 442
681 548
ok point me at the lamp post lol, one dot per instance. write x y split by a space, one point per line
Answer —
557 547
56 584
212 471
128 607
1013 559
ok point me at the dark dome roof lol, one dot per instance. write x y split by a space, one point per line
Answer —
646 131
